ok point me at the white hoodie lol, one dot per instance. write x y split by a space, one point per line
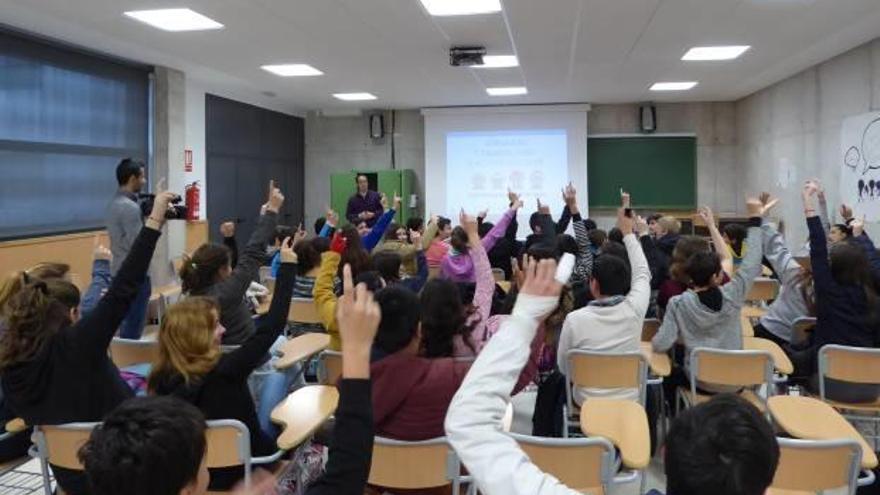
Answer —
473 423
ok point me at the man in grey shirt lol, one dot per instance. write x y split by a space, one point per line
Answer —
124 222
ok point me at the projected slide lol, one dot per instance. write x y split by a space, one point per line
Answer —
481 165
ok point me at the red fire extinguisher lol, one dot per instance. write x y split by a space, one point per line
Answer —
192 201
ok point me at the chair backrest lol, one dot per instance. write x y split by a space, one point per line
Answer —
411 465
817 465
731 368
582 464
128 352
59 444
848 364
498 273
650 328
602 370
228 444
763 289
303 310
800 329
331 362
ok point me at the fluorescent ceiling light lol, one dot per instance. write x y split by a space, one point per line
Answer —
461 7
354 96
673 86
512 91
289 70
498 61
715 52
175 19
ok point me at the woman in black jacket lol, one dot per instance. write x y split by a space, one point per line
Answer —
192 366
54 364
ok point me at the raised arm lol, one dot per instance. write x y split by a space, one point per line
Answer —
421 262
251 258
242 361
639 295
818 242
497 231
348 463
742 281
378 231
493 458
485 282
823 206
718 243
227 230
777 253
95 330
583 267
431 231
101 278
861 238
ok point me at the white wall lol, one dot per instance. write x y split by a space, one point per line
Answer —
792 129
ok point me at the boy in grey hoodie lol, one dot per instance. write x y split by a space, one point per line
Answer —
708 315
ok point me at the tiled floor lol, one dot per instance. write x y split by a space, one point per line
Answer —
24 479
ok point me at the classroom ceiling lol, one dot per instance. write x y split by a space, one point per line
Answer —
598 51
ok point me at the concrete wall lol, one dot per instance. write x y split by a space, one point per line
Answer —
790 132
339 144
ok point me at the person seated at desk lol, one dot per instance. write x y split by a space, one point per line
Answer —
365 205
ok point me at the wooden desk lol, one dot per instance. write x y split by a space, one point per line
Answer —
624 423
747 329
658 362
812 419
780 359
303 412
301 348
753 311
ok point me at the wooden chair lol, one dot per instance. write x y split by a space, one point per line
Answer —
857 365
303 310
301 348
498 273
331 367
650 327
229 445
813 466
582 464
746 325
414 465
744 369
763 289
601 370
128 352
59 445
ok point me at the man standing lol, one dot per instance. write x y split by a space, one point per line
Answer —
124 221
365 205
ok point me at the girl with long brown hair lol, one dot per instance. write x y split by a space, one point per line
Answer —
192 366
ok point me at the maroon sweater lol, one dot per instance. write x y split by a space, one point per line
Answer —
411 393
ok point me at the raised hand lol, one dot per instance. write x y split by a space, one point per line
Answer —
754 208
625 200
383 200
846 212
483 213
160 206
286 250
397 200
276 199
358 316
540 279
331 217
469 224
767 203
858 226
542 208
99 251
706 215
300 235
624 222
641 226
415 237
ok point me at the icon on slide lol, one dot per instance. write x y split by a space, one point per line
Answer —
537 180
498 181
516 180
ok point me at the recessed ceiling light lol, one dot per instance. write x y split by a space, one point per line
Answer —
175 19
511 91
715 52
461 7
498 62
289 70
673 86
354 96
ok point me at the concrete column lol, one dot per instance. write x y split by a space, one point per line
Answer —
169 131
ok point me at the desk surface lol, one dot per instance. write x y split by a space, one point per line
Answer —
811 419
300 348
624 423
780 359
303 412
658 362
753 312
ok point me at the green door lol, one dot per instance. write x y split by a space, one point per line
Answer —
389 184
342 187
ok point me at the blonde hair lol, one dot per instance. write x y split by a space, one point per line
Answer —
186 341
669 224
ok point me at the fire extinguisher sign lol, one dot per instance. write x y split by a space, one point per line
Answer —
187 160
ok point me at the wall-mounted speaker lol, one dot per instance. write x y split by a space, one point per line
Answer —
377 126
647 118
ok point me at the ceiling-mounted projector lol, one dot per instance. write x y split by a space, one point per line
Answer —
466 56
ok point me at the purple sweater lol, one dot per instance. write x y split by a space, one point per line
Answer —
459 267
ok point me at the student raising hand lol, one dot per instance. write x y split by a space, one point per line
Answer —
540 279
358 316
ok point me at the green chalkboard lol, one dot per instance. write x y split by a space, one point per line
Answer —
659 172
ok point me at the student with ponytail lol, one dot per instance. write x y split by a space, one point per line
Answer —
209 273
54 364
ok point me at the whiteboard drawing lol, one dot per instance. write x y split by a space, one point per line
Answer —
860 164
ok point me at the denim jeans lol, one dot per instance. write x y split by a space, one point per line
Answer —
133 325
272 387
